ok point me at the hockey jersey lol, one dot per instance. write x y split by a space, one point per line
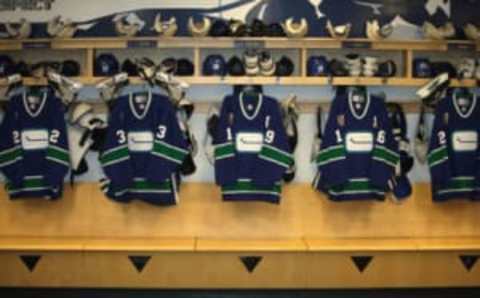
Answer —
34 153
358 154
251 149
453 155
143 151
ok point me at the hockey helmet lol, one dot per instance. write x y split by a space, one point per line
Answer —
376 32
238 28
275 30
220 28
285 67
70 68
387 69
267 66
23 69
471 32
199 29
7 66
422 68
258 28
214 65
106 65
340 31
130 68
317 66
444 67
338 68
236 67
296 29
166 28
185 67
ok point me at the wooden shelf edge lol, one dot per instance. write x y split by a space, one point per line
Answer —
281 81
74 244
205 245
230 42
254 245
360 244
393 244
41 244
141 245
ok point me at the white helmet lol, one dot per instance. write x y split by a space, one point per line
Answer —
375 32
165 28
296 29
341 31
199 29
21 30
472 32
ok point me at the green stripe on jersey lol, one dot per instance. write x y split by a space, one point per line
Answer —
355 185
169 152
144 185
438 156
383 154
278 156
462 183
331 154
10 155
249 187
114 155
58 153
224 150
29 183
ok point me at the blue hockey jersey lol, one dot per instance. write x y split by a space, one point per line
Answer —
251 149
454 152
358 154
34 154
143 151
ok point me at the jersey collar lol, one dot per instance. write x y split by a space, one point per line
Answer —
459 111
134 109
257 109
34 114
366 105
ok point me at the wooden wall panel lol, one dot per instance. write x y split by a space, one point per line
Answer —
445 269
220 269
52 270
85 212
337 270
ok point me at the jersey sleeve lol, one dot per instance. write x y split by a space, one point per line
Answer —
170 146
385 156
275 157
224 148
332 157
11 155
115 157
58 157
438 160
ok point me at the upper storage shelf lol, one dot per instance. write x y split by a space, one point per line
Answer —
226 42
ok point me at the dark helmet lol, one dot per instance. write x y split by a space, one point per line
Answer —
214 65
106 65
70 68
